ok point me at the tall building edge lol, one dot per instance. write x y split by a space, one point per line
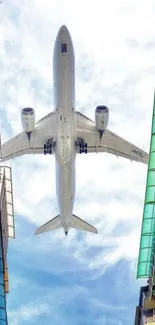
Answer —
3 312
6 231
145 311
148 222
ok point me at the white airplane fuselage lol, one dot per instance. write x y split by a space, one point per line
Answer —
65 137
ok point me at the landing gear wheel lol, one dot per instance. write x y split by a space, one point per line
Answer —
82 146
48 147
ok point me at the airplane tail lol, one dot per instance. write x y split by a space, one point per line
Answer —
76 223
53 224
80 224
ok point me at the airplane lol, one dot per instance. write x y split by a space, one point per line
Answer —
66 132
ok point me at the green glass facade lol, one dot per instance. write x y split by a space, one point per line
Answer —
146 250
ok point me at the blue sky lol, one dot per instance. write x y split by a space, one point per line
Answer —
83 278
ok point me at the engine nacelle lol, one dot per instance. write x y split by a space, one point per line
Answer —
101 118
28 119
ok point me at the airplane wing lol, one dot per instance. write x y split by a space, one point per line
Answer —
110 142
20 144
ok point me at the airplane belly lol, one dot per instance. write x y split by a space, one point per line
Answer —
64 74
65 149
66 189
65 144
65 153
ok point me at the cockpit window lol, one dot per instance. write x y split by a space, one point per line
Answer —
63 48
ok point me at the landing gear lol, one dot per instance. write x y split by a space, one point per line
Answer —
49 146
83 148
81 145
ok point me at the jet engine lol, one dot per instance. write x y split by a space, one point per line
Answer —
28 119
101 118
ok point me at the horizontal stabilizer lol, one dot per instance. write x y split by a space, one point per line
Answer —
78 223
53 224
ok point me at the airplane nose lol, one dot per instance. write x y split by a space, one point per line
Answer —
63 28
63 34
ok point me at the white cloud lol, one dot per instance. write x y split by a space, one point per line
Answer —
27 312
